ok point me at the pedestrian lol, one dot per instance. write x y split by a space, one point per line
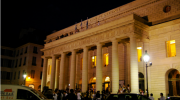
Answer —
71 95
124 88
162 97
128 88
79 95
55 94
98 95
64 95
151 97
98 23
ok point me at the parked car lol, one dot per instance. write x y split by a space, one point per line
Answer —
127 96
173 98
18 92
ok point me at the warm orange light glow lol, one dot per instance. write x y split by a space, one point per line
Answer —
28 77
106 59
93 61
139 53
171 48
93 80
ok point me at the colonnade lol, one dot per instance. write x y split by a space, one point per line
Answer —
115 68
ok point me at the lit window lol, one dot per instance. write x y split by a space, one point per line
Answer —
139 53
93 61
106 59
171 48
81 63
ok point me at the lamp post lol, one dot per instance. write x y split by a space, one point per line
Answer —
24 75
146 59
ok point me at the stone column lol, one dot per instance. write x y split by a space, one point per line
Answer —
134 65
73 70
99 68
57 74
115 67
61 79
52 82
85 70
43 82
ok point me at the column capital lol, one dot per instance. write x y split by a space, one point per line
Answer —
100 44
115 40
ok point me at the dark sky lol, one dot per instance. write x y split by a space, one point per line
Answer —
48 16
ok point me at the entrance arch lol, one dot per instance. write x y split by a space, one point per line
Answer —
173 82
80 84
92 83
141 81
106 83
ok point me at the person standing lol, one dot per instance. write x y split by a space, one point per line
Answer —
71 95
162 97
79 95
128 88
151 97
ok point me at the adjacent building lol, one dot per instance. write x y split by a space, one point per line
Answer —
22 60
108 52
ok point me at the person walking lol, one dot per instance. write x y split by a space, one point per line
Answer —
162 97
98 95
151 97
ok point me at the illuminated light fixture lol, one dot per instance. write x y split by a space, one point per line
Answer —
69 84
93 57
139 47
28 77
25 75
172 41
146 57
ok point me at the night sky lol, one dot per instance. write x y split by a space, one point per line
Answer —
47 16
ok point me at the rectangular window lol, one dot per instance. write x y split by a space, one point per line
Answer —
42 53
2 51
8 76
171 48
16 63
139 53
81 66
32 73
21 51
9 63
35 50
26 50
20 62
18 74
93 61
42 62
34 61
17 53
106 59
24 61
14 75
41 75
2 62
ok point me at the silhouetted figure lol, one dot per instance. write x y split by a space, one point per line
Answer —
71 95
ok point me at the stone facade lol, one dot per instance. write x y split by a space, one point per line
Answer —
27 59
148 24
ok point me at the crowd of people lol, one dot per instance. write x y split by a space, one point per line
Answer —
88 95
75 94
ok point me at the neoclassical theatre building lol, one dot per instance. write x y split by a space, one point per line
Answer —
109 51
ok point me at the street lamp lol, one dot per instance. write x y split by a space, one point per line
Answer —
146 59
24 75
